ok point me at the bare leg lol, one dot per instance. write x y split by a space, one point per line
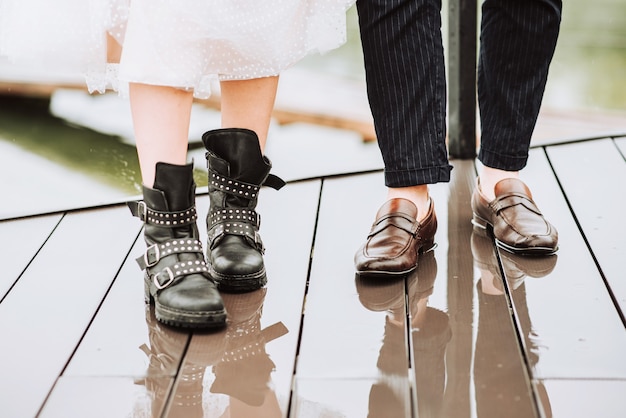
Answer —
489 177
416 194
249 104
161 118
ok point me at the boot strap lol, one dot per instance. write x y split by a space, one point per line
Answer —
274 182
150 216
168 275
243 229
231 215
241 188
156 252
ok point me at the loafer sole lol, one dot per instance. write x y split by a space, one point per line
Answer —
484 225
430 246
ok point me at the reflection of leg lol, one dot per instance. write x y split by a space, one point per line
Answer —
499 375
429 348
498 367
430 335
387 396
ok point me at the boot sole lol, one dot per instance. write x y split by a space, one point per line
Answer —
238 284
183 319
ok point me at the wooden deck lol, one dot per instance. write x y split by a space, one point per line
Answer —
474 332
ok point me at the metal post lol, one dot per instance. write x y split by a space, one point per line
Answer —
462 78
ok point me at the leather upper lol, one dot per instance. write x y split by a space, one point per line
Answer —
396 238
518 224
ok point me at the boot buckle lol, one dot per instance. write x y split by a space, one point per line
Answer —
142 210
258 242
169 279
152 255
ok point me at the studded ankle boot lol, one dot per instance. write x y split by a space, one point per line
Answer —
176 275
237 170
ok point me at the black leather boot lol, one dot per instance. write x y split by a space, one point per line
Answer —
176 275
237 170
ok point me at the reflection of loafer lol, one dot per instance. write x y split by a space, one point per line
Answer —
396 238
517 223
516 267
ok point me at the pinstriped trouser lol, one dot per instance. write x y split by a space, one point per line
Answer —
404 64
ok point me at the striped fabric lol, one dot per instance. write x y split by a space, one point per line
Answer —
405 73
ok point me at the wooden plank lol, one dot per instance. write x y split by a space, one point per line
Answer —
106 397
349 398
500 375
585 398
47 312
576 330
22 238
591 174
453 291
248 367
126 350
621 144
555 125
346 337
125 338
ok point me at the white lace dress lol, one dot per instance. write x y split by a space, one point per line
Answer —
180 43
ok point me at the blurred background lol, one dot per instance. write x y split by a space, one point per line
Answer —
61 148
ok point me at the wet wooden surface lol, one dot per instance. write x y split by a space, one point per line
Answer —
474 331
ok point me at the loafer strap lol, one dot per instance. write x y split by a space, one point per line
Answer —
398 220
514 199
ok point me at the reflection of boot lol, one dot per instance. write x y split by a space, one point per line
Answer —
237 170
176 276
165 352
244 370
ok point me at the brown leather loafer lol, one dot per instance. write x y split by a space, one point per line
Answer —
396 239
517 223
